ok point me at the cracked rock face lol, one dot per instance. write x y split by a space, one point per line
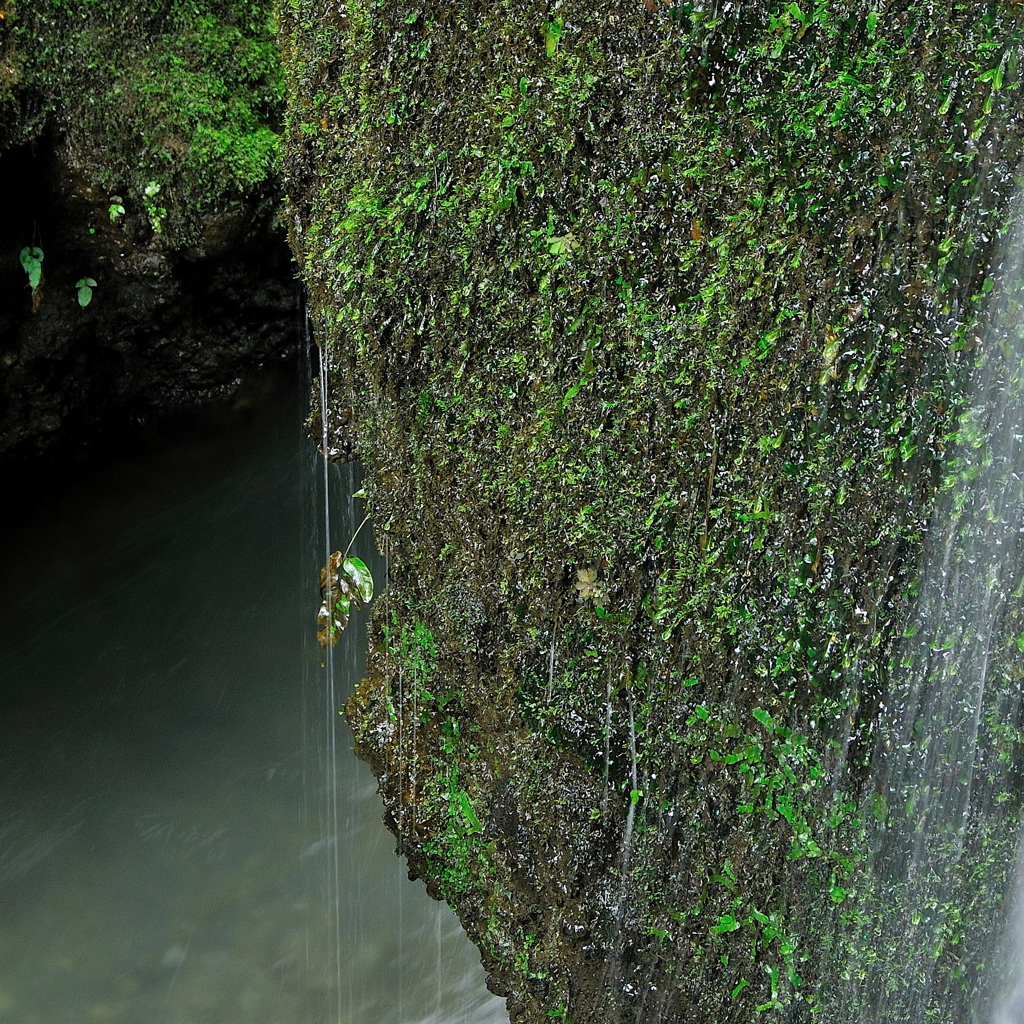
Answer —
165 328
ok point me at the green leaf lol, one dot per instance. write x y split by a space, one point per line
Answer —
726 923
552 33
563 244
764 718
472 821
359 575
31 255
570 395
993 75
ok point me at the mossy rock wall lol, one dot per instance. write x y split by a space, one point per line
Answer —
659 320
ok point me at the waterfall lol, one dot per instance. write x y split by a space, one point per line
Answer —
941 773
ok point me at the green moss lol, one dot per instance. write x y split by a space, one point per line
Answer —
187 95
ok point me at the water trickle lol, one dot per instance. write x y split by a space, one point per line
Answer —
1008 990
334 893
634 795
607 739
551 664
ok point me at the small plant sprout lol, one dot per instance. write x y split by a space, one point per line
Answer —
564 244
115 209
85 286
32 263
345 582
589 587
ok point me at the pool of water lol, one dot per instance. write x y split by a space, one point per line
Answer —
168 852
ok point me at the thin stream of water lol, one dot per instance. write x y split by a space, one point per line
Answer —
333 817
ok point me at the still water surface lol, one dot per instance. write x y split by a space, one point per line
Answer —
166 848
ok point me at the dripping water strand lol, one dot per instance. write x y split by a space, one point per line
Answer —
607 740
634 796
308 530
551 663
354 891
333 798
613 980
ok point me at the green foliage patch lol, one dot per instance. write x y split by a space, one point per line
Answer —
182 98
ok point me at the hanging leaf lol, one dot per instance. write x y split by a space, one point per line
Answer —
330 570
345 584
552 33
32 263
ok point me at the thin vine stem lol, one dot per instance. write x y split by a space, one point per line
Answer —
366 519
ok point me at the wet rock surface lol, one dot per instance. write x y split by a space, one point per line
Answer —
658 322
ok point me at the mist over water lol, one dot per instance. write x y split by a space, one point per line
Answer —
166 849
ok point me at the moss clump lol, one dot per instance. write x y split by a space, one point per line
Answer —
660 321
188 96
